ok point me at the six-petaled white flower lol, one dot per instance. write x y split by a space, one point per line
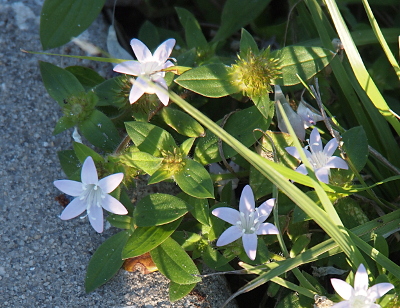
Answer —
321 159
91 195
247 223
360 296
148 67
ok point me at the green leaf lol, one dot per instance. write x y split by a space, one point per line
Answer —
350 213
237 14
265 106
174 263
355 144
149 35
215 260
304 61
194 180
198 207
178 291
87 77
106 261
240 125
187 240
212 80
110 92
193 34
59 83
247 43
63 124
120 221
159 209
149 138
160 175
141 160
61 20
186 146
70 164
82 152
145 239
181 122
100 131
259 183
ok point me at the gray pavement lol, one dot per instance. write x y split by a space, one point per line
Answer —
43 259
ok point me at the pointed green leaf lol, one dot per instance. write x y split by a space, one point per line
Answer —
63 124
145 239
174 263
150 138
59 83
194 180
198 207
61 20
110 92
82 152
247 44
212 80
178 291
355 144
70 164
87 77
149 35
160 175
159 209
193 34
106 261
186 146
142 160
100 131
181 122
119 221
265 106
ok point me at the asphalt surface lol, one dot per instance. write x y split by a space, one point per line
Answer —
43 259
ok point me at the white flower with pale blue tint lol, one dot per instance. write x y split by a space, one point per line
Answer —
360 296
148 67
320 158
91 195
247 223
308 116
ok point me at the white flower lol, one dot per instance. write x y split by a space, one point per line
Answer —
148 66
320 159
307 115
247 222
360 296
91 195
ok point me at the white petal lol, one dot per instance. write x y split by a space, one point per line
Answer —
315 141
229 235
336 162
96 218
344 304
246 203
72 188
109 183
227 214
330 147
216 169
322 174
267 228
73 209
163 51
129 68
266 207
136 92
113 205
162 96
250 245
141 51
293 151
302 169
361 280
89 172
342 288
167 64
379 290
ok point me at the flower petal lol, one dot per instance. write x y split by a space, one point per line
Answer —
111 182
302 169
343 304
163 51
89 172
267 228
315 141
322 174
250 245
293 151
229 235
336 162
330 147
246 203
137 91
342 288
379 290
142 53
129 68
162 96
72 188
113 205
265 209
73 209
227 214
361 280
96 218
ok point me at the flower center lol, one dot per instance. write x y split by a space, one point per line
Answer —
248 223
152 70
92 195
359 301
318 159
